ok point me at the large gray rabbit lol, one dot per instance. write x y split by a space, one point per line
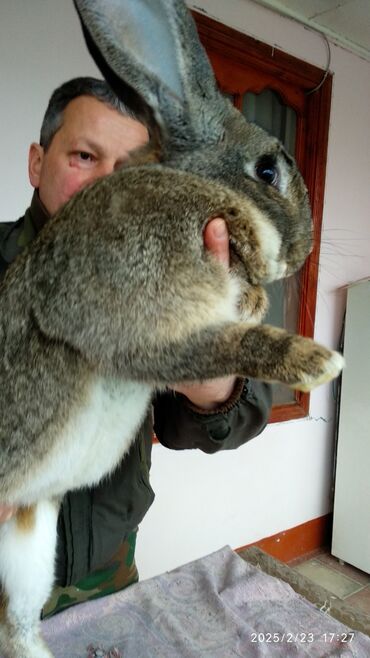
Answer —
117 296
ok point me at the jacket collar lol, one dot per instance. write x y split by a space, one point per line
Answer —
38 213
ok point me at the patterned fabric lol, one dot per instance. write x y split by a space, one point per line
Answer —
115 575
216 607
98 652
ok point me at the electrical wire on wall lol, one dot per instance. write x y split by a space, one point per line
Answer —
327 70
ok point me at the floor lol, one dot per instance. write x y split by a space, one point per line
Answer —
342 580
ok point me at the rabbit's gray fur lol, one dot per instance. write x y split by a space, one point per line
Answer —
117 297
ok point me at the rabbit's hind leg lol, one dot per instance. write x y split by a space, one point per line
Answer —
27 550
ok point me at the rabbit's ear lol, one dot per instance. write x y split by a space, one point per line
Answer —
149 52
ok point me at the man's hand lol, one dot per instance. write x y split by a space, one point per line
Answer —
6 512
210 394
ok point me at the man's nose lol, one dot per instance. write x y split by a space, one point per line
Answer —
107 167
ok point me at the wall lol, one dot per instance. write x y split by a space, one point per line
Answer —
282 478
41 46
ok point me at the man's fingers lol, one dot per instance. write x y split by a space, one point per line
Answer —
6 512
216 239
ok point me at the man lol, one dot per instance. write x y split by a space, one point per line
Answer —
86 134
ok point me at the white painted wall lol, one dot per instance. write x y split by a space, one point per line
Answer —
283 477
41 46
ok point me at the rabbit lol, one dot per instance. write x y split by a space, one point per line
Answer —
117 296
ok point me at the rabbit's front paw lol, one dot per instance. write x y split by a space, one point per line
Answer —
312 364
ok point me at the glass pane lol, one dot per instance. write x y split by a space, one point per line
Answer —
268 111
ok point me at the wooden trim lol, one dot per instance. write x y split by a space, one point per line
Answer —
294 80
236 45
295 542
291 411
246 78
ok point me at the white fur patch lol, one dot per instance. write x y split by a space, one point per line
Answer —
93 441
270 245
331 369
26 575
227 308
284 178
27 556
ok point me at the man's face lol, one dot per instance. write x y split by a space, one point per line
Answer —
93 141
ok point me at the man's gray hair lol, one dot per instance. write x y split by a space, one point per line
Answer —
84 86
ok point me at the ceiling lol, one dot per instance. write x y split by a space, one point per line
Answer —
346 22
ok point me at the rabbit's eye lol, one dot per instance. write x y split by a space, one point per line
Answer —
267 171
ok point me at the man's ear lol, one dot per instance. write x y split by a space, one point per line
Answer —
35 160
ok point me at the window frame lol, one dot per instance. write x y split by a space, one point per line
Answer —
308 90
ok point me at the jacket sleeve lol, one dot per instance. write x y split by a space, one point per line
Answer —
179 425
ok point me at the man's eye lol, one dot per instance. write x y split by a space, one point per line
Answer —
84 155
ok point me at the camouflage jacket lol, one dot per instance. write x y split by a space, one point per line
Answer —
93 523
